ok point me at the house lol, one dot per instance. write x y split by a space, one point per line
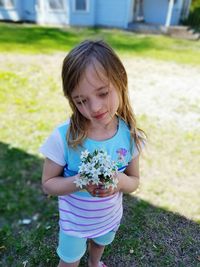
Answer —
109 13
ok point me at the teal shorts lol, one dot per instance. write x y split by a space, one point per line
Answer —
71 249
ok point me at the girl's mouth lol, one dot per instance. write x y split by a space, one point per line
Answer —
100 116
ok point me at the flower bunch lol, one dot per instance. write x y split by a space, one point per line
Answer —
97 168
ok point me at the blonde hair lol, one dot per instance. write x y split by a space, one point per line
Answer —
74 66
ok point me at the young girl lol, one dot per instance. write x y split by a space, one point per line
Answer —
95 84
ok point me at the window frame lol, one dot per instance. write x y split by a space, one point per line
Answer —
6 6
49 9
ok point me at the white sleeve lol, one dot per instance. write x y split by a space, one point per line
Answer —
53 148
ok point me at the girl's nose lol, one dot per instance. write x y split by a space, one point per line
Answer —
95 106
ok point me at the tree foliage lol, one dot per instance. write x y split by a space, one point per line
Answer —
193 19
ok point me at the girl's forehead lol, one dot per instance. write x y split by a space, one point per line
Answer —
95 71
94 76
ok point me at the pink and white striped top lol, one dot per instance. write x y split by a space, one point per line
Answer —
89 216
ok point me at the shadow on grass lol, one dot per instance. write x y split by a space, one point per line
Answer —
45 39
149 236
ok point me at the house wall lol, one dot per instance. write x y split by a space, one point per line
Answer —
112 13
155 11
12 13
83 18
28 11
130 10
176 14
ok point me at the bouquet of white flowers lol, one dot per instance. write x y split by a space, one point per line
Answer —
97 168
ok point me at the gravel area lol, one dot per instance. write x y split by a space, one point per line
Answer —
164 90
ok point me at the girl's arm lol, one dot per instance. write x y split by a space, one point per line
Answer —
129 180
53 182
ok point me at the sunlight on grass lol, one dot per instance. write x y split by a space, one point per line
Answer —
28 105
29 38
170 168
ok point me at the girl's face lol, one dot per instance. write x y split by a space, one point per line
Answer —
95 97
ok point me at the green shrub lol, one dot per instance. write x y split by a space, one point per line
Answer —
193 19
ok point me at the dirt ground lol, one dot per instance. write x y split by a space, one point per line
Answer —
165 90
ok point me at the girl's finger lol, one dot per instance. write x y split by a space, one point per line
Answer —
103 193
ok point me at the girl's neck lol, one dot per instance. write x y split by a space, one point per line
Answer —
102 132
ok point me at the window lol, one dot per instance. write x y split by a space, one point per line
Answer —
56 5
7 3
81 5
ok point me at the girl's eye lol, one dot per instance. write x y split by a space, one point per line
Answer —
104 94
81 102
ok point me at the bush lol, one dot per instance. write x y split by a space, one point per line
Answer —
193 19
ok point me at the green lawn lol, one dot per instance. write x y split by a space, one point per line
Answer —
160 226
35 39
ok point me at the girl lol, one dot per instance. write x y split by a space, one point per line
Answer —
95 84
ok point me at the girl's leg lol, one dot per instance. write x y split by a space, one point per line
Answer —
95 253
64 264
70 250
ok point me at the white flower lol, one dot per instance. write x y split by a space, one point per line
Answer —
82 168
97 168
95 180
95 172
80 182
84 154
108 172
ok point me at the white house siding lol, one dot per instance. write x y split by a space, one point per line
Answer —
82 18
112 13
45 15
51 18
11 13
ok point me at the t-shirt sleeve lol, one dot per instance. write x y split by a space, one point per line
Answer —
53 148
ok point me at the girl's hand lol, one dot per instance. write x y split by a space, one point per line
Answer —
100 190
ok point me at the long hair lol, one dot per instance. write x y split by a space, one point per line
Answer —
74 66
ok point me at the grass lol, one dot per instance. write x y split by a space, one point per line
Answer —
35 39
160 226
